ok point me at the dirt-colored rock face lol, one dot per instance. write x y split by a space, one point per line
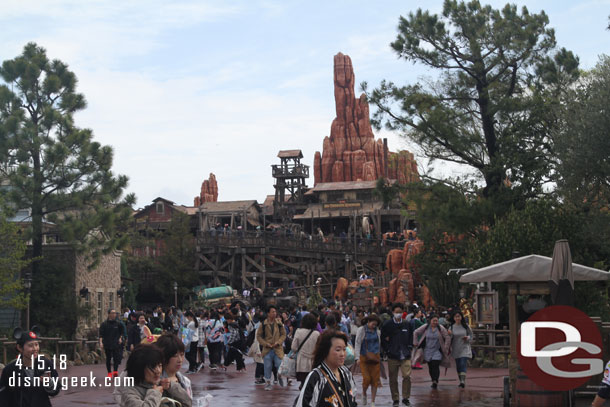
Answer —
351 152
209 191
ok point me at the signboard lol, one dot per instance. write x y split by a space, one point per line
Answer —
487 311
342 205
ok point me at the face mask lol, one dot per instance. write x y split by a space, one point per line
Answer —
398 316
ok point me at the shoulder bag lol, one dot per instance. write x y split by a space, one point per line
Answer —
371 358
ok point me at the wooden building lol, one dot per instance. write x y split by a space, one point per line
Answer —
337 207
246 214
157 217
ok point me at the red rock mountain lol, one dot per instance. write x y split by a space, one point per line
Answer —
351 153
209 191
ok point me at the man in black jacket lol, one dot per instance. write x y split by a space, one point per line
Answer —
397 341
31 379
112 337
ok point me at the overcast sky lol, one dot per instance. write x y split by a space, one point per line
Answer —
180 89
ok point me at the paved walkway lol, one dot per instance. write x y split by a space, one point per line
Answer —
484 388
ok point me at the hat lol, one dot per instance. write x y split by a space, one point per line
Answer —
22 337
371 317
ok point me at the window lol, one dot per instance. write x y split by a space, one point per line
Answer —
110 300
334 196
160 207
100 299
366 196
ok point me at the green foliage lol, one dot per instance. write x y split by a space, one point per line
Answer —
12 252
56 168
129 298
485 110
386 191
314 299
53 305
582 142
177 262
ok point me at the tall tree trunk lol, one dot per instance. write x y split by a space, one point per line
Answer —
37 233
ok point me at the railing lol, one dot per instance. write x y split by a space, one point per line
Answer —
288 241
290 171
492 342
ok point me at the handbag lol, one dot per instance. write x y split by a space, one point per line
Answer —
288 367
371 358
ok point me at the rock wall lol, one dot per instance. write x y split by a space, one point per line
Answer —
351 152
209 191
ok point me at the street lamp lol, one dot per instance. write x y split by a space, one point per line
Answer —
175 294
27 284
347 269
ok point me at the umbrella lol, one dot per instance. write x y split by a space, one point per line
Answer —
561 280
531 268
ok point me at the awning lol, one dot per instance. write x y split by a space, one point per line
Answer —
532 268
338 210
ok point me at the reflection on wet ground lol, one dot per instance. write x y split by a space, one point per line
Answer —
232 389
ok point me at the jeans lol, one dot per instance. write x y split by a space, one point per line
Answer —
461 364
270 360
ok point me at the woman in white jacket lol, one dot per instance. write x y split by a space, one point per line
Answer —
304 342
368 351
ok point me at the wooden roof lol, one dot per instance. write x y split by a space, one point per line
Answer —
228 206
343 186
290 154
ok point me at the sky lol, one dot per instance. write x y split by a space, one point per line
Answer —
181 89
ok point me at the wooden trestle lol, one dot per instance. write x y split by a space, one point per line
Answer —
246 261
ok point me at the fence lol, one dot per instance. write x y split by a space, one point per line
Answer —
491 342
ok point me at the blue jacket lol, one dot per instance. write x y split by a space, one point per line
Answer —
397 339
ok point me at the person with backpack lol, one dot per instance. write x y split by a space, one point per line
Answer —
271 335
235 343
215 338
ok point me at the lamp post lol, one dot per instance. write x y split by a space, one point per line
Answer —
175 294
254 278
27 284
347 269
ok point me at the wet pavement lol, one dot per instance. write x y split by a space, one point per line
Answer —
483 388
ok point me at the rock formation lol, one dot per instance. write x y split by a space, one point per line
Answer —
351 153
209 191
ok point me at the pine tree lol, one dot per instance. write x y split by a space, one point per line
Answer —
57 170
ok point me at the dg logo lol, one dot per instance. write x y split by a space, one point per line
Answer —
560 348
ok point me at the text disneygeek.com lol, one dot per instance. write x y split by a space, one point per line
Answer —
68 382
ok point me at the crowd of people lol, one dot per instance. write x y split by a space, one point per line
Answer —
329 343
322 342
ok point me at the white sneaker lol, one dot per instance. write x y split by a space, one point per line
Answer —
372 404
268 386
